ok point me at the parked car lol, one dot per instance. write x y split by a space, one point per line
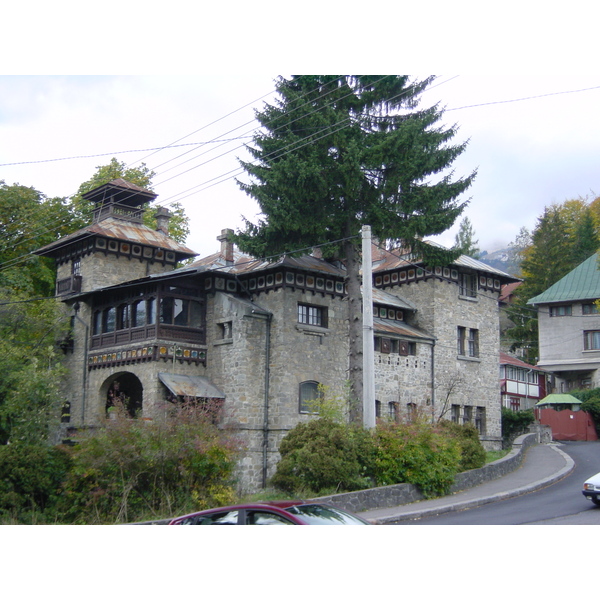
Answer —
272 513
591 489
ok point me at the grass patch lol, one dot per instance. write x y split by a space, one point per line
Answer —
492 455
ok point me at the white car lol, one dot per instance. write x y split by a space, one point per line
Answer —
591 489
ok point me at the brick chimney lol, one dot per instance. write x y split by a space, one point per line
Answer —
162 219
226 245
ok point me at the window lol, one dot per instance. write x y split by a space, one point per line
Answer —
261 517
454 413
377 409
461 333
467 285
589 309
468 414
393 411
515 404
468 342
138 313
76 267
225 330
591 340
473 343
560 311
312 315
480 423
310 395
151 311
108 320
123 316
179 311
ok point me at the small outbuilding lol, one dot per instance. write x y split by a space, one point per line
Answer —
560 402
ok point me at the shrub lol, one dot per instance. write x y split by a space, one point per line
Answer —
472 452
416 453
592 406
322 455
515 424
30 481
135 470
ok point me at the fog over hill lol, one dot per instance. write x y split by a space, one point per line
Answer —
503 259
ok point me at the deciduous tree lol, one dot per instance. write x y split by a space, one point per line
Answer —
28 220
141 176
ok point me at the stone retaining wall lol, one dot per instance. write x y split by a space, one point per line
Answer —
406 493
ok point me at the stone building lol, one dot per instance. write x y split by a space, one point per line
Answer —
259 338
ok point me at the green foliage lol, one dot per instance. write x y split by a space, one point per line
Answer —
338 152
30 482
563 238
472 452
591 404
31 368
334 407
416 453
464 240
514 424
29 220
324 455
140 176
134 469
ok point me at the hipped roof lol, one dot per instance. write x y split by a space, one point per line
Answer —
582 283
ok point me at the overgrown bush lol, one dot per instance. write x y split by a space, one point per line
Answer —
136 470
590 403
472 452
416 453
30 482
515 424
324 456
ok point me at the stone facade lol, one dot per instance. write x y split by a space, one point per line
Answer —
268 337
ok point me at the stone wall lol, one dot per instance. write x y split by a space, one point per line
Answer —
460 380
297 353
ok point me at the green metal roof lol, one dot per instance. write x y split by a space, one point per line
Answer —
558 399
582 283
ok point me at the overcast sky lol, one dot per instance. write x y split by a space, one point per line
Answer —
532 140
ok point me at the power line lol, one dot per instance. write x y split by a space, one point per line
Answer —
525 98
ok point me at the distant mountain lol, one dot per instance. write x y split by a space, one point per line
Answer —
503 259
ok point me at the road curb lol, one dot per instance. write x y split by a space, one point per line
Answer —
458 506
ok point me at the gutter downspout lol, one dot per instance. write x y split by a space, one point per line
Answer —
265 444
433 382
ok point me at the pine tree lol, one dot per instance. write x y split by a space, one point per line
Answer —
464 240
545 261
339 152
585 241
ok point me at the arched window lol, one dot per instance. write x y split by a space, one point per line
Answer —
309 397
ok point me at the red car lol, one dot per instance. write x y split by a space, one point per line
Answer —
272 513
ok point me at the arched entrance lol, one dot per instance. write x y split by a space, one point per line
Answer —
123 389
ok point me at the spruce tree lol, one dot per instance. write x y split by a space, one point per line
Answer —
338 152
585 242
464 240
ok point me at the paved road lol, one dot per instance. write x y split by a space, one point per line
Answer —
561 503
